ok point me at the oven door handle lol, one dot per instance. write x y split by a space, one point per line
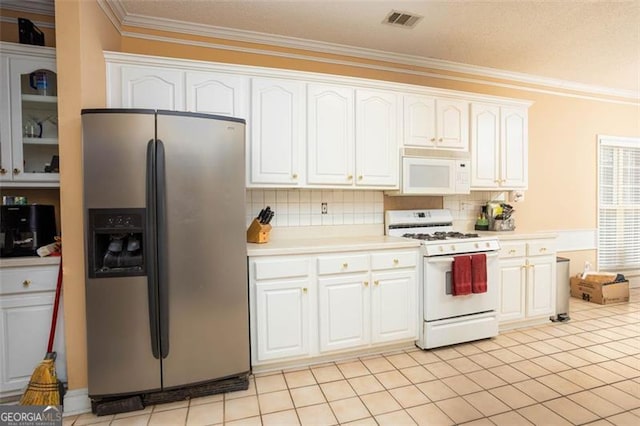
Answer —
449 259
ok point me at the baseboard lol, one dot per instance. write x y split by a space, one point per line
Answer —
77 401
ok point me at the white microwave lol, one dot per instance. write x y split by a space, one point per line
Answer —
434 172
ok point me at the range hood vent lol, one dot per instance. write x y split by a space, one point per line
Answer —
402 19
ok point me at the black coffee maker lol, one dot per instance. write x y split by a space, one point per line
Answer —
25 228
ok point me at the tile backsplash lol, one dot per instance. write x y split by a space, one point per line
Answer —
303 207
466 208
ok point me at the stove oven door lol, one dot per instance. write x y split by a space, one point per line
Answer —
439 301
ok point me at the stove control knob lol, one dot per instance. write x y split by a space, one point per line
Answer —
488 245
477 245
441 248
453 248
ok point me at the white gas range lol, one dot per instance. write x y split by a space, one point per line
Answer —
447 318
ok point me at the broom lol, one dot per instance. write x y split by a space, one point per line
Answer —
44 387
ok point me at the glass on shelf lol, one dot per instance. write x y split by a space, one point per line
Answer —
40 121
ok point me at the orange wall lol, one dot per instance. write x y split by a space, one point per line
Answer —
83 32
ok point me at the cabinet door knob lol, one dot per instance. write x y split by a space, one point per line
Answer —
512 251
433 139
3 171
345 265
366 283
26 283
543 249
360 177
440 140
304 290
376 282
350 177
16 171
396 261
295 176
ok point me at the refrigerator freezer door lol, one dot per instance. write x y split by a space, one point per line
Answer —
204 245
120 359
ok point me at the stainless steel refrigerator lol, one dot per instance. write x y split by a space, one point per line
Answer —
166 282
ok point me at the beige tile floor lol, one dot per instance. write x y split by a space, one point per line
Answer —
586 371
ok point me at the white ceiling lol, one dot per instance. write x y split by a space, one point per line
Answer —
590 42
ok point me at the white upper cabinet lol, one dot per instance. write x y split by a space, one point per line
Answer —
277 131
151 87
308 130
419 120
217 94
352 137
513 145
376 138
485 147
498 147
330 135
436 122
452 124
28 116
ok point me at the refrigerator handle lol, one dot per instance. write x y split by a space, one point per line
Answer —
163 258
151 250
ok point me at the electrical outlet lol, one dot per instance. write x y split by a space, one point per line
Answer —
325 209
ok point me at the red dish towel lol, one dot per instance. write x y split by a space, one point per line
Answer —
461 275
479 273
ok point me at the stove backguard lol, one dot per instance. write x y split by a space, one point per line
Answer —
116 239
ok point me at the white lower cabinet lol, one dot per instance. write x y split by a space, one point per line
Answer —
513 289
27 294
280 293
393 306
310 306
282 315
527 281
344 309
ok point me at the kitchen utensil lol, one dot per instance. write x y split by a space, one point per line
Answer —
264 215
268 220
32 128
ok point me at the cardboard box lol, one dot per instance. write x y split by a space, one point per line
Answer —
599 289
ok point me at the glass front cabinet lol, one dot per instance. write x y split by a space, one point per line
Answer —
29 116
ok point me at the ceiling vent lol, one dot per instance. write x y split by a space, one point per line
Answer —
402 19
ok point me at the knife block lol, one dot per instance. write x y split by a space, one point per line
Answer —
258 232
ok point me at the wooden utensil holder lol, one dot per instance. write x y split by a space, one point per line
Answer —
258 232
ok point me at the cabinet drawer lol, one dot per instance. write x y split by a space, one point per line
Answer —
281 268
391 260
28 279
540 248
342 264
508 250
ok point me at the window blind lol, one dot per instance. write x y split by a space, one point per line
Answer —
618 204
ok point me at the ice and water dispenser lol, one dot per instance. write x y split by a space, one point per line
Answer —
116 242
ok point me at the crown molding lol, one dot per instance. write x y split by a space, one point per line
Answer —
40 7
170 25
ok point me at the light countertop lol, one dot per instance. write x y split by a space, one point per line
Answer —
328 245
8 262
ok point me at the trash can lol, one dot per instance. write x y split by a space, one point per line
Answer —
562 290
